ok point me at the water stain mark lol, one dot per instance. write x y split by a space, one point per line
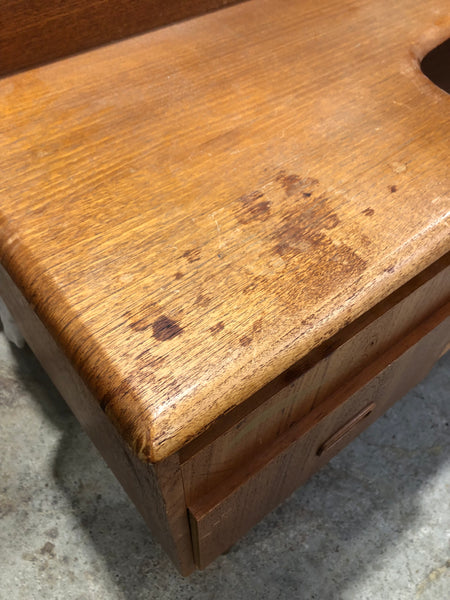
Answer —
217 328
203 300
286 248
294 237
253 210
303 241
245 340
252 197
257 326
192 255
330 221
294 184
166 329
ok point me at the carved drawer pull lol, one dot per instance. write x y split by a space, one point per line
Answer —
340 433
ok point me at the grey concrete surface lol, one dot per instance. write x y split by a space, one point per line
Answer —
373 524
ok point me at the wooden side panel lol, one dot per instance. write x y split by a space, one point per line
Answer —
209 459
223 516
156 490
32 33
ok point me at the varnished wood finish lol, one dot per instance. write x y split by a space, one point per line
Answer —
345 430
226 241
156 490
191 211
260 420
32 33
218 519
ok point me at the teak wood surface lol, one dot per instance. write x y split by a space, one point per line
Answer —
233 498
192 211
32 33
225 451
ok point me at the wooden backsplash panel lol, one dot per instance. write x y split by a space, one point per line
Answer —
32 33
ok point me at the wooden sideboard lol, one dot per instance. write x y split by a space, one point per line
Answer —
227 242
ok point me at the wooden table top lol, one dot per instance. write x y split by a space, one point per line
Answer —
192 210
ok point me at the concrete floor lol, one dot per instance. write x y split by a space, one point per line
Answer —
374 524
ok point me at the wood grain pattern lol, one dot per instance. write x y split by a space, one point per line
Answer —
212 457
32 33
156 490
220 518
192 211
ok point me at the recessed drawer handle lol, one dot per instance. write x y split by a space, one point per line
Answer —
340 433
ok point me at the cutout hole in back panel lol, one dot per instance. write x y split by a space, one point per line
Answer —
436 66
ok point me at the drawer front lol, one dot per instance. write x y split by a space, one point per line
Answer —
216 454
223 515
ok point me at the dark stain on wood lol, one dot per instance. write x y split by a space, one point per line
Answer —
393 189
331 221
295 237
369 212
316 213
303 239
257 326
294 184
245 340
217 327
282 249
192 255
165 329
253 210
203 300
179 275
249 198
